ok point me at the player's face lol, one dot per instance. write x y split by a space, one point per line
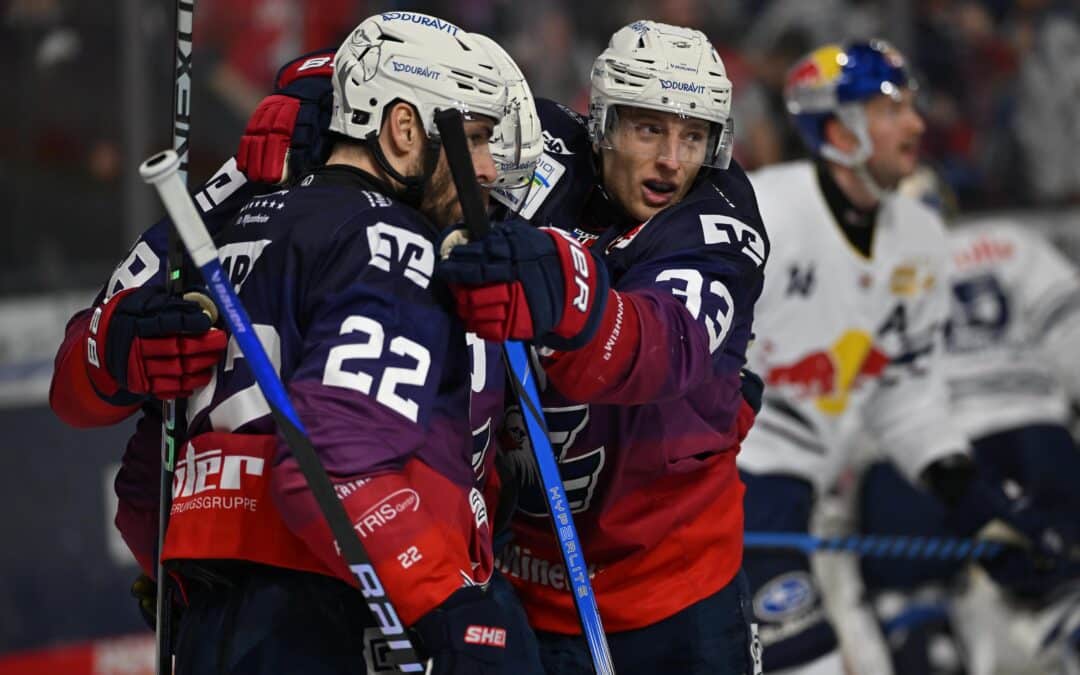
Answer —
652 160
895 128
440 202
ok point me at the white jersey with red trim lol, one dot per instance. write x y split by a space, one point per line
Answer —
1013 329
845 341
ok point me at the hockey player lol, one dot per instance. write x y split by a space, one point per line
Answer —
336 273
639 290
1014 317
849 327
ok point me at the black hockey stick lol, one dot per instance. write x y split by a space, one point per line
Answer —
452 132
161 171
173 413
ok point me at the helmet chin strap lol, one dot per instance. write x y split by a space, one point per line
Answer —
414 186
853 117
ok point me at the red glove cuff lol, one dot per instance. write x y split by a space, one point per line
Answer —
97 336
579 283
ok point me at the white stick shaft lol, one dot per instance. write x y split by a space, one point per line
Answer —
162 171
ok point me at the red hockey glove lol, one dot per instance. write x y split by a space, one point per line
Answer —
286 135
525 283
144 341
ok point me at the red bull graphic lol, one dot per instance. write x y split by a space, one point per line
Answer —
819 68
829 376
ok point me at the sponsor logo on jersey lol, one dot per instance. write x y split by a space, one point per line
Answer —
983 251
429 21
546 175
212 470
677 85
554 145
785 596
395 247
830 376
239 258
718 229
419 71
521 564
389 508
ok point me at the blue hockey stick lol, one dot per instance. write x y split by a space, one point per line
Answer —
874 546
452 133
162 171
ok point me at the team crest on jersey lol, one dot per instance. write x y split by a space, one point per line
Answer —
579 474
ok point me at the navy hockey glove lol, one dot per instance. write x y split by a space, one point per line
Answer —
525 283
144 341
465 635
287 134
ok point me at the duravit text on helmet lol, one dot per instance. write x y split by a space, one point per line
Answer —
419 71
682 86
430 21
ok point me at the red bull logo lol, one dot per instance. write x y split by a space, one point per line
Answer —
829 376
820 67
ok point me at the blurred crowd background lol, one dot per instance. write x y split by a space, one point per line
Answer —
90 82
88 95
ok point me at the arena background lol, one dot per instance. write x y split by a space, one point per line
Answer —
87 96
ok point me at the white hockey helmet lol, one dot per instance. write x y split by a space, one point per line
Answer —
518 141
665 68
412 57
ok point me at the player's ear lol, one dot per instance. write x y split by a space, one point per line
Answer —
402 130
839 136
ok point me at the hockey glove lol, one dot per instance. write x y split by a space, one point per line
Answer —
525 283
146 342
287 134
752 388
465 635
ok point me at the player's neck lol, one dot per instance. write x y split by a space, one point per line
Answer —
359 158
853 187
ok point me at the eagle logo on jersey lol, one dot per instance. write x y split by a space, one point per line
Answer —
579 474
481 442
